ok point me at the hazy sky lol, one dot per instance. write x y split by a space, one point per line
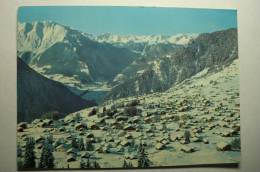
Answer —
132 20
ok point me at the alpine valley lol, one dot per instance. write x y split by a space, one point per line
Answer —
118 100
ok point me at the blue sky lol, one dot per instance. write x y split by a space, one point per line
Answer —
133 20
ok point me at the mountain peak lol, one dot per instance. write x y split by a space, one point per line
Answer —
41 23
36 36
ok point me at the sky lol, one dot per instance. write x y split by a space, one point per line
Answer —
132 20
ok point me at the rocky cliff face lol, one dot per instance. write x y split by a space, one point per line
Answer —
209 50
38 95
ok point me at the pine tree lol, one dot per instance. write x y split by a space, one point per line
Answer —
127 165
77 117
89 146
88 163
74 143
187 136
164 127
130 165
85 164
19 151
96 164
81 144
19 164
47 158
143 160
29 156
50 141
104 109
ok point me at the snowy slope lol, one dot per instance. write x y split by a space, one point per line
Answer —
208 51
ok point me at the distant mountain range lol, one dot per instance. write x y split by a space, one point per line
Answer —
129 64
179 39
38 95
144 44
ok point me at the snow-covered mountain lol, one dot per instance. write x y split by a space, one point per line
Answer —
179 39
209 50
38 36
142 44
67 55
133 64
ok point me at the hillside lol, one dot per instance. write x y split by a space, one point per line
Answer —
209 50
113 66
206 106
37 95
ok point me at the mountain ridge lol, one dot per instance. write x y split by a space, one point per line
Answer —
55 49
179 39
207 50
132 65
